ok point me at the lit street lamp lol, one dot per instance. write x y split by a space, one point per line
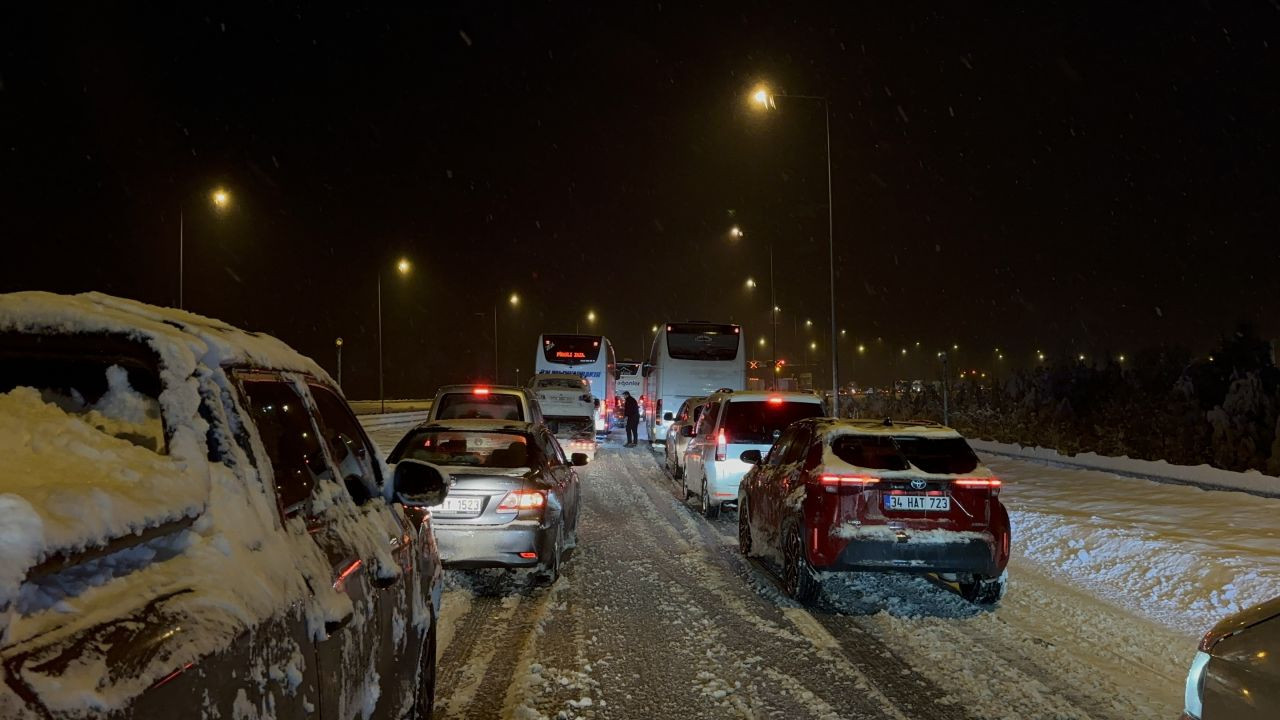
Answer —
221 200
403 267
767 101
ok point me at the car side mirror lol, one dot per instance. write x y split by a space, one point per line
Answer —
419 484
686 431
668 417
751 457
578 459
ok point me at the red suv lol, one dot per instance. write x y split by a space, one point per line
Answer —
875 495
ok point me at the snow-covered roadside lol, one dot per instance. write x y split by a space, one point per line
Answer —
1179 555
1200 475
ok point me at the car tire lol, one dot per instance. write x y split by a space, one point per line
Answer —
684 490
424 695
744 528
710 510
549 571
982 590
798 580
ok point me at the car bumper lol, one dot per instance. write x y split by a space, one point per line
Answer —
659 433
723 479
967 556
481 546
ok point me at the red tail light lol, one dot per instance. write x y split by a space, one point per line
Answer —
851 481
480 391
722 446
518 500
775 401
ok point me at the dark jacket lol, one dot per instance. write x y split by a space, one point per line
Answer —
631 408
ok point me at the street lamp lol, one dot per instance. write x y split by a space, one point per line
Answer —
402 267
221 200
736 232
767 101
337 344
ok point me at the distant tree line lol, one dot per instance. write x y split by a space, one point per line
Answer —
1160 404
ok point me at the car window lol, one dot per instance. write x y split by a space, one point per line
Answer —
109 383
551 449
697 412
938 455
707 422
348 445
561 383
875 452
283 423
760 421
799 445
779 449
471 448
470 405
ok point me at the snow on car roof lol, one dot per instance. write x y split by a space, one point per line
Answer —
755 395
864 426
478 425
178 336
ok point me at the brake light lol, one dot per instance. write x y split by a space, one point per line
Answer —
480 391
775 401
518 500
722 446
855 481
528 555
978 482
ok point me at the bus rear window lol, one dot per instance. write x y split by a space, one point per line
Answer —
495 406
571 349
688 341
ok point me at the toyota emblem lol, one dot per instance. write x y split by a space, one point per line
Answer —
918 484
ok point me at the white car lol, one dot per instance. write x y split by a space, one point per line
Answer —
732 423
569 409
676 441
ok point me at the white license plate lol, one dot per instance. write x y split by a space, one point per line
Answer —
917 503
460 505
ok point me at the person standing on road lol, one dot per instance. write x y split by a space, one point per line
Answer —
631 411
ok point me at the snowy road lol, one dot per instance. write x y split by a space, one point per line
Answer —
658 616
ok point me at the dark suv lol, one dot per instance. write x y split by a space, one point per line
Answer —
196 524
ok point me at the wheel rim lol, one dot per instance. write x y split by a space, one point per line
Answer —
706 506
791 564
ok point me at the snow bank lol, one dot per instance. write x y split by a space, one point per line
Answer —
68 485
1201 475
1179 555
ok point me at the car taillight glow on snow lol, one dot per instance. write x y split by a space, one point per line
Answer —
858 481
722 446
480 391
517 500
978 482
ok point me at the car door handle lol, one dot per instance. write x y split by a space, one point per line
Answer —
333 626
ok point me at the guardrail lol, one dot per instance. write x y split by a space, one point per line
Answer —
373 422
374 407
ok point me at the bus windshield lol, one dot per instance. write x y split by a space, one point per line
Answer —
571 349
689 341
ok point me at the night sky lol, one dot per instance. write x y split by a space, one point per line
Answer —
1069 177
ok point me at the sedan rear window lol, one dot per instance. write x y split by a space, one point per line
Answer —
467 448
760 422
463 406
949 456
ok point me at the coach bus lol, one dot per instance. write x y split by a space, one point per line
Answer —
590 356
691 359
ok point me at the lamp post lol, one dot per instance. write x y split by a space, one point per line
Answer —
403 267
221 200
767 101
337 344
736 233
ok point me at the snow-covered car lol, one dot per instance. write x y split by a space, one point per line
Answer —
732 423
514 500
492 402
194 524
677 440
1236 672
569 409
875 495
